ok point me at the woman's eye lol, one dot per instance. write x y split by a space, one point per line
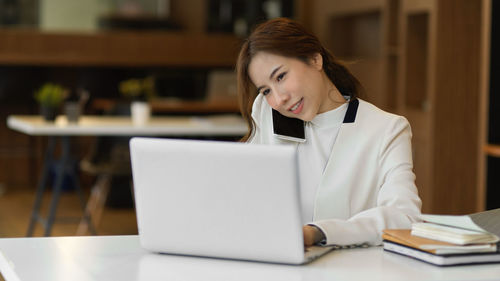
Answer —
281 76
265 92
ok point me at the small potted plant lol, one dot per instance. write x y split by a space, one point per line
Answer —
50 96
138 91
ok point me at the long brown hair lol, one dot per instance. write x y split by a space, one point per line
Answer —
288 38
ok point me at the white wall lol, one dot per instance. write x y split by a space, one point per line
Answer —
81 15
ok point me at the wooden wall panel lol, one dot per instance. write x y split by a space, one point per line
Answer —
457 106
117 48
20 155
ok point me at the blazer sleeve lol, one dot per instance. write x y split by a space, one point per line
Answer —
397 202
261 114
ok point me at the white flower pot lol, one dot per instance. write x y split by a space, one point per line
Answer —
141 112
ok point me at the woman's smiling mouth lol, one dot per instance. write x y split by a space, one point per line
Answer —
297 108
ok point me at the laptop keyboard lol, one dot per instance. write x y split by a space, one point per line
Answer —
313 252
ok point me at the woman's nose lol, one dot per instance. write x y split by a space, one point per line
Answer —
280 98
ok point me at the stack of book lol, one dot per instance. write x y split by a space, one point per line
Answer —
449 240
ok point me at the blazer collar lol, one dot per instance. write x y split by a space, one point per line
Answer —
352 110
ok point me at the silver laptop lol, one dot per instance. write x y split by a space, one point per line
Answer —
219 199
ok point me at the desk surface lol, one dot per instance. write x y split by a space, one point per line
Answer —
121 258
218 125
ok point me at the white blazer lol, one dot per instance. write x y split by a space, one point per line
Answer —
368 184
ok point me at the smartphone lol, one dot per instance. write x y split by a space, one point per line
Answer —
287 128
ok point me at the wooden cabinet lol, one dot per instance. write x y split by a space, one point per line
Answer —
424 60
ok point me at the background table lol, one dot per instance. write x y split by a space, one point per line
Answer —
97 258
61 129
215 125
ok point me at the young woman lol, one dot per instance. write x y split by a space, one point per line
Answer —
355 165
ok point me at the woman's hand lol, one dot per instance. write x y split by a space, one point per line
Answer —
312 235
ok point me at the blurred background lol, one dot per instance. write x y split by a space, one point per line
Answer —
428 60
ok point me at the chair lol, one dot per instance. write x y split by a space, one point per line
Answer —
108 158
116 162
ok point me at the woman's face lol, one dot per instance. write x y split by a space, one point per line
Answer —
292 87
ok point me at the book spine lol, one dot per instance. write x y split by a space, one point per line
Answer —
414 253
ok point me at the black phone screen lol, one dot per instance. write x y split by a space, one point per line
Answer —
288 128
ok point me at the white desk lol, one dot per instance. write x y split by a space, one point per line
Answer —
121 258
211 126
219 125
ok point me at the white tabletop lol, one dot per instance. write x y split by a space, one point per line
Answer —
121 258
218 125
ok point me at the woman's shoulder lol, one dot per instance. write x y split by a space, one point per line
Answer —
369 112
375 119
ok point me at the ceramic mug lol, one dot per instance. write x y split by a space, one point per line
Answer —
72 111
141 111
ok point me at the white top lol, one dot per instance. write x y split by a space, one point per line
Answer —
217 125
313 154
368 183
106 258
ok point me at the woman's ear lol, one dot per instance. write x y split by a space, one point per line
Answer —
317 61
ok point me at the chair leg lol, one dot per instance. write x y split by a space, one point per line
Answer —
86 216
95 204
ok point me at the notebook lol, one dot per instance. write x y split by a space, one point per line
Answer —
404 237
444 259
219 199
